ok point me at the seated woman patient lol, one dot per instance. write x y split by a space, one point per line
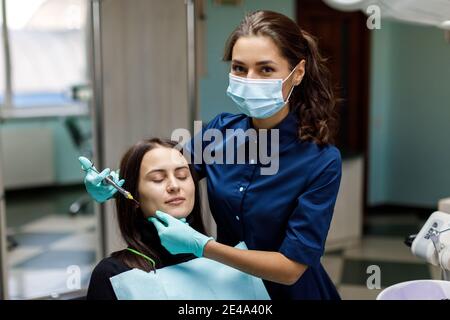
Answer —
159 178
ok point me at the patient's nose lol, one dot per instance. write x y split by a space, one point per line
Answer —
173 185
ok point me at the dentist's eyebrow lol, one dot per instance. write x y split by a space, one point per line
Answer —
263 62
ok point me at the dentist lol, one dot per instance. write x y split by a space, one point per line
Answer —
279 82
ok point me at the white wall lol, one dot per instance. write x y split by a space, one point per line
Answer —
144 51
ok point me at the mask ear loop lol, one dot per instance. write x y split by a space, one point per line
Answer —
292 89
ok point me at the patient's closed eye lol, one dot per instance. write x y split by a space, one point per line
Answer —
158 178
182 173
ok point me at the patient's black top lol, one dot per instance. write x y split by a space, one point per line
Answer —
100 287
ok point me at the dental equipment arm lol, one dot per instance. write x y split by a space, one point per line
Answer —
432 243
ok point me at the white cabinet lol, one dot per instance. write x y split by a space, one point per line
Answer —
27 157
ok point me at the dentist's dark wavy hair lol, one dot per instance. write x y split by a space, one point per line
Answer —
313 99
138 233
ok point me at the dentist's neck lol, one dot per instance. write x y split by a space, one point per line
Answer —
272 121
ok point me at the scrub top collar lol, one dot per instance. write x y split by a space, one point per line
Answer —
288 128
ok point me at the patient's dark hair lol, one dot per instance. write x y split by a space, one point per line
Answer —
132 222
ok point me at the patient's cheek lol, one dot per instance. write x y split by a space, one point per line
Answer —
148 206
148 214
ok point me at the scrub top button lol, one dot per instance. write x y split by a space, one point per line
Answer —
241 189
237 218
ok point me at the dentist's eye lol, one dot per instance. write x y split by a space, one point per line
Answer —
267 70
237 68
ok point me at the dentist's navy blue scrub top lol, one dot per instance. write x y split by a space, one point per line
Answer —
288 212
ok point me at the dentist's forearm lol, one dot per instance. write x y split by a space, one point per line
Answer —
268 265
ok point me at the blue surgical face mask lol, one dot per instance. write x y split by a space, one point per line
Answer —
258 98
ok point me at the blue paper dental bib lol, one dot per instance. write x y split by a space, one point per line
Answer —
197 279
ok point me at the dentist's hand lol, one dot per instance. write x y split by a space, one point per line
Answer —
177 236
93 182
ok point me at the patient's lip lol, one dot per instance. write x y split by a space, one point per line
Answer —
175 200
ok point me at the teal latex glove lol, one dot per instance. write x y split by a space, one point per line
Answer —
177 236
94 181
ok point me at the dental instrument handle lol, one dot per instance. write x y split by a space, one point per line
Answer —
119 188
125 193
